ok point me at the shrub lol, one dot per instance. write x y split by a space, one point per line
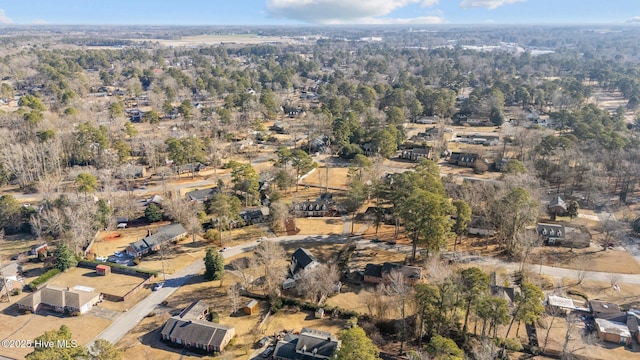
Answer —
513 344
212 235
15 292
43 278
276 305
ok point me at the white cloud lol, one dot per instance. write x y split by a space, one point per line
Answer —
429 3
634 20
4 19
491 4
342 11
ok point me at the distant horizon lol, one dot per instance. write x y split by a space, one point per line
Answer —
305 13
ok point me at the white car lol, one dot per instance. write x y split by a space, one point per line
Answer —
122 226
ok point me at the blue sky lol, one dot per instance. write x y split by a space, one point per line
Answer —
299 12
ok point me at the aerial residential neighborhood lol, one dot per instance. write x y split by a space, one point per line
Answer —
335 181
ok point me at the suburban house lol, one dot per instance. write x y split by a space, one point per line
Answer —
152 242
614 330
556 206
376 274
61 300
427 120
189 168
416 154
191 329
551 233
35 249
155 199
480 226
254 215
309 344
462 159
369 149
201 195
429 134
318 207
559 235
302 261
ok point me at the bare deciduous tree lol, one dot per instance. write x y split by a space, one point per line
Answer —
319 283
270 255
234 297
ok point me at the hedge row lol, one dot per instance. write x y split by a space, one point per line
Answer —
120 266
280 302
43 278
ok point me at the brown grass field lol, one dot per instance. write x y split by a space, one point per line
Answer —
320 226
16 244
116 284
337 177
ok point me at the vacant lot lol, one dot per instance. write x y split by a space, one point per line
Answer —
16 244
320 226
592 259
116 284
337 177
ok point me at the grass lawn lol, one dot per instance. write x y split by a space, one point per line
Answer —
116 284
320 226
16 244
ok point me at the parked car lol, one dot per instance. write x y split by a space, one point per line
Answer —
118 253
267 352
121 226
101 258
158 286
264 341
224 249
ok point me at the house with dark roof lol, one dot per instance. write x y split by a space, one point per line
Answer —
318 207
463 159
35 249
252 216
152 242
191 329
556 206
62 300
415 154
201 195
376 274
551 233
302 261
308 345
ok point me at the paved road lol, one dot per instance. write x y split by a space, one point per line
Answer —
127 321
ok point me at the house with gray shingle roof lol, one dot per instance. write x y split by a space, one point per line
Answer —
192 330
309 345
152 242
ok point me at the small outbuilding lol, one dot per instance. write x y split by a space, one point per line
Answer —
103 270
251 307
319 313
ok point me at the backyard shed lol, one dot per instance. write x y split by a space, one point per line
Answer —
251 307
103 269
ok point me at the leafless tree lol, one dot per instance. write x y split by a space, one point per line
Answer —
234 297
401 290
242 267
270 255
319 283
